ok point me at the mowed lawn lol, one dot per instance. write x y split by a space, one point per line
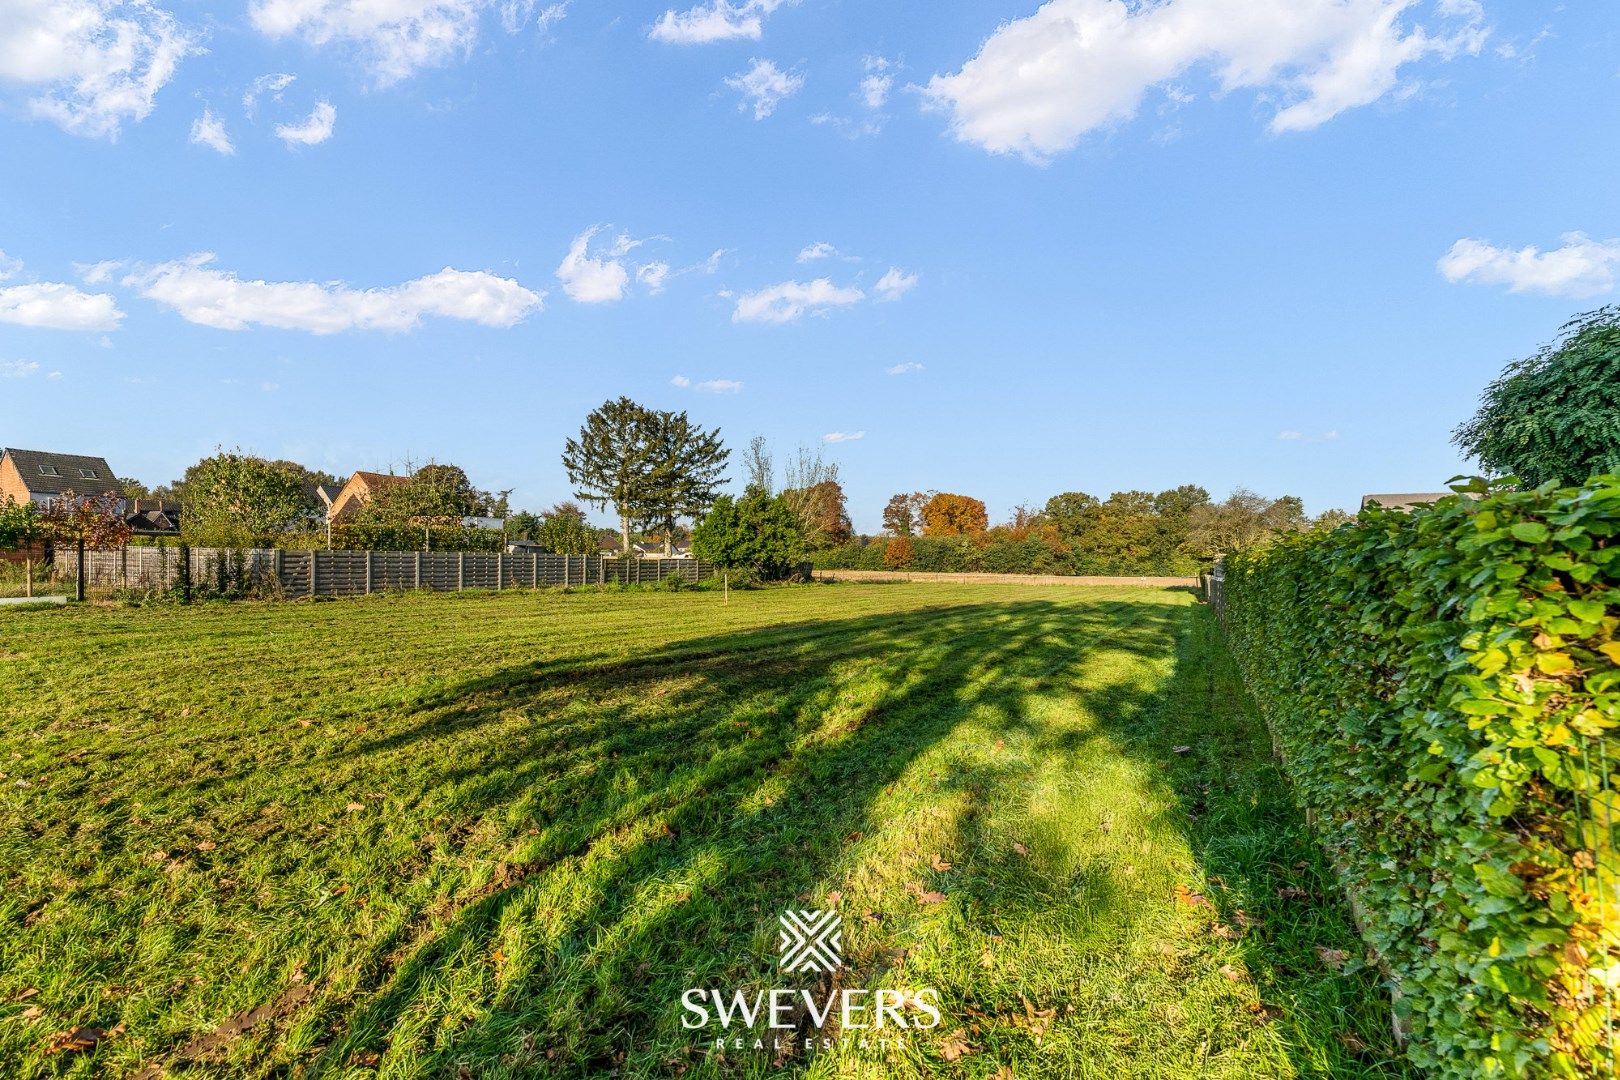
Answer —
502 834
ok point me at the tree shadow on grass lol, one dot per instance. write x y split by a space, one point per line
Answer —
645 820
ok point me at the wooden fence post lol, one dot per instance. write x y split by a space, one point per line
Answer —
368 571
461 571
314 563
418 570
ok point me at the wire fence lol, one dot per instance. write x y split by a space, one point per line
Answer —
357 573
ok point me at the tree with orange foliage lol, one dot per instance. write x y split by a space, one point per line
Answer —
897 552
954 515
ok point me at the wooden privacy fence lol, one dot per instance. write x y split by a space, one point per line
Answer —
356 573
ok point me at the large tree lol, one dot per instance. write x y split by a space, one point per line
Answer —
902 514
1243 520
954 515
237 500
651 467
1556 415
691 466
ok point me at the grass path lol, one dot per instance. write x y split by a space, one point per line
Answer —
499 835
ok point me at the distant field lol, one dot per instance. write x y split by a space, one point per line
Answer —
501 835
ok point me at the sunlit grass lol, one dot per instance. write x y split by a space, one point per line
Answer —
498 835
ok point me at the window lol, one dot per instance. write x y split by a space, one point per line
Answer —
88 474
48 470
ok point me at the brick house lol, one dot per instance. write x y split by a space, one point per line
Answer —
39 477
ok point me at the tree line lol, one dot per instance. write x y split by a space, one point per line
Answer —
1553 418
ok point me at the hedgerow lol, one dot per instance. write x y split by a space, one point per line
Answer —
1444 687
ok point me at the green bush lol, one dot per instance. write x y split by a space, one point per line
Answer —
1445 689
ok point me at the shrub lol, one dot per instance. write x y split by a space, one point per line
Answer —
1444 689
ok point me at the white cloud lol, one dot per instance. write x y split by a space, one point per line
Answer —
97 63
842 436
653 275
878 82
680 380
17 369
55 306
313 131
789 301
1040 83
907 368
718 20
1300 436
396 38
209 130
515 15
210 297
895 284
54 376
817 251
272 84
96 273
719 386
591 280
1582 267
763 86
9 267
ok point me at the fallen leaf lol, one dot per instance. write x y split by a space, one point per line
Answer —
925 896
206 845
32 991
938 864
1352 1042
352 807
1001 744
834 898
1224 932
1333 958
305 723
375 795
1003 1073
1263 1012
1180 749
158 856
1291 892
986 960
1020 848
1186 896
79 1039
32 1013
1231 974
954 1045
185 712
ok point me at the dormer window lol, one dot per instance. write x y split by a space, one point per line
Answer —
88 474
48 470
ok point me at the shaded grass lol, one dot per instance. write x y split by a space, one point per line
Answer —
500 835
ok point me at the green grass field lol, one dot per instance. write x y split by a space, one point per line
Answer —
500 835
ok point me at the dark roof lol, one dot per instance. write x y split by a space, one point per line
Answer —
1405 501
51 474
327 492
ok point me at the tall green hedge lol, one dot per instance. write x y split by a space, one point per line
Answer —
1444 686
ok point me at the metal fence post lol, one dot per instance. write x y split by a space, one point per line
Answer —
368 572
461 570
314 562
418 570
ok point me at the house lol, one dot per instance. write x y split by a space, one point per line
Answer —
1406 501
355 493
152 517
40 477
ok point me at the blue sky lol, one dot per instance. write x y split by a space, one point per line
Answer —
1015 248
